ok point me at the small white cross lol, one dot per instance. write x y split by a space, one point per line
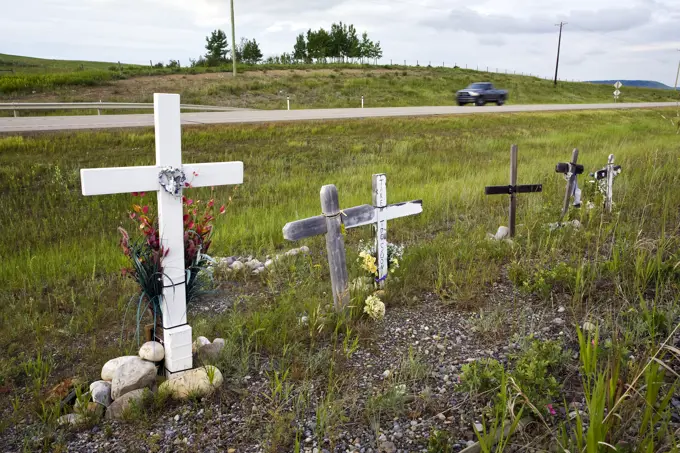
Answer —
101 181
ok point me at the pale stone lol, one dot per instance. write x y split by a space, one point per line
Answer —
292 252
502 233
268 263
253 264
560 310
210 352
193 382
101 392
220 341
198 342
304 249
119 406
109 368
558 321
237 266
70 419
152 351
133 374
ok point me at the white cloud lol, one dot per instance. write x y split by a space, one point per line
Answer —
603 39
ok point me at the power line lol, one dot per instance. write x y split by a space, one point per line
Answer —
559 43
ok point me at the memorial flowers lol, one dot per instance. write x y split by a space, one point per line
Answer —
368 258
146 252
374 308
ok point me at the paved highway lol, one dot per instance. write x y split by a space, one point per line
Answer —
56 123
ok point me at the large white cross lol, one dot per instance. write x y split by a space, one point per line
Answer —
100 181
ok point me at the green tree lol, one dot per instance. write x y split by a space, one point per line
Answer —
251 53
217 47
375 52
350 48
300 49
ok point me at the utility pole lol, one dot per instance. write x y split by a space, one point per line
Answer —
559 43
677 75
233 39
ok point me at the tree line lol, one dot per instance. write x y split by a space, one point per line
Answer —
339 44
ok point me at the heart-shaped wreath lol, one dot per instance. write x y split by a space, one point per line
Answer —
172 180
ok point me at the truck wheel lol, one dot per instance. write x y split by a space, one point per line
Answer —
501 101
480 101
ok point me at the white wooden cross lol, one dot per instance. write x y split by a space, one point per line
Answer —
100 181
362 215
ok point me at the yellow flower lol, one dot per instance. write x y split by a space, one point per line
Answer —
375 308
369 263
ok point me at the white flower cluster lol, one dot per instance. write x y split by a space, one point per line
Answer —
374 308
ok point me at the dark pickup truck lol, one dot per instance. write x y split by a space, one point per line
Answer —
480 94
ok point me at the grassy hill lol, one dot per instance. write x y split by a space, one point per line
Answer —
267 86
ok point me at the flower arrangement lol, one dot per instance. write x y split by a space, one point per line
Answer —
368 258
146 252
374 308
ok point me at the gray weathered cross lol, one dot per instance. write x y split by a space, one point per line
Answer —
168 178
513 189
605 180
570 171
329 223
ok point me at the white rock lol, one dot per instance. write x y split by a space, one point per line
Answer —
152 351
198 342
268 264
133 374
576 224
502 233
70 419
558 321
588 326
304 249
560 310
220 341
101 392
195 382
258 271
386 374
237 266
211 352
110 367
292 252
119 406
253 264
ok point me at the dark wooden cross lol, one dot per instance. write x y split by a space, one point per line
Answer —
333 218
570 171
513 189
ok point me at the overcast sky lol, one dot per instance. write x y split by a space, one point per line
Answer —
604 39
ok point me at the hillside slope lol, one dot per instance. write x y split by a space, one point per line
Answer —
267 87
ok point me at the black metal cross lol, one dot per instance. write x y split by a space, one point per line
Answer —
513 189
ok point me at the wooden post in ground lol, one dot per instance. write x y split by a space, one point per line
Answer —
571 171
335 246
380 203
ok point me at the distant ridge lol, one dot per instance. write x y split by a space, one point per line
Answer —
635 83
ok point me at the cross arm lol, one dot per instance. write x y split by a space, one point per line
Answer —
314 226
394 211
214 174
102 181
507 190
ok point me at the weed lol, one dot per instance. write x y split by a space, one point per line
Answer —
481 376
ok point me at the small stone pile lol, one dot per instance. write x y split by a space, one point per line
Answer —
129 379
255 266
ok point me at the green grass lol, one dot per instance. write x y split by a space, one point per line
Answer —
61 286
267 86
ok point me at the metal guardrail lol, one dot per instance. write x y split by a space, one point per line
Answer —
99 106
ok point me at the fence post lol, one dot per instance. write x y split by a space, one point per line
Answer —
288 101
16 115
99 112
362 101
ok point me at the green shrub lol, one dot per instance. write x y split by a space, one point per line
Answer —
481 376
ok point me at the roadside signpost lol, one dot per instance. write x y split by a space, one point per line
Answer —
617 85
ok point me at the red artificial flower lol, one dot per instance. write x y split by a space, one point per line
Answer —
133 215
141 194
134 194
211 203
145 209
223 209
189 202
